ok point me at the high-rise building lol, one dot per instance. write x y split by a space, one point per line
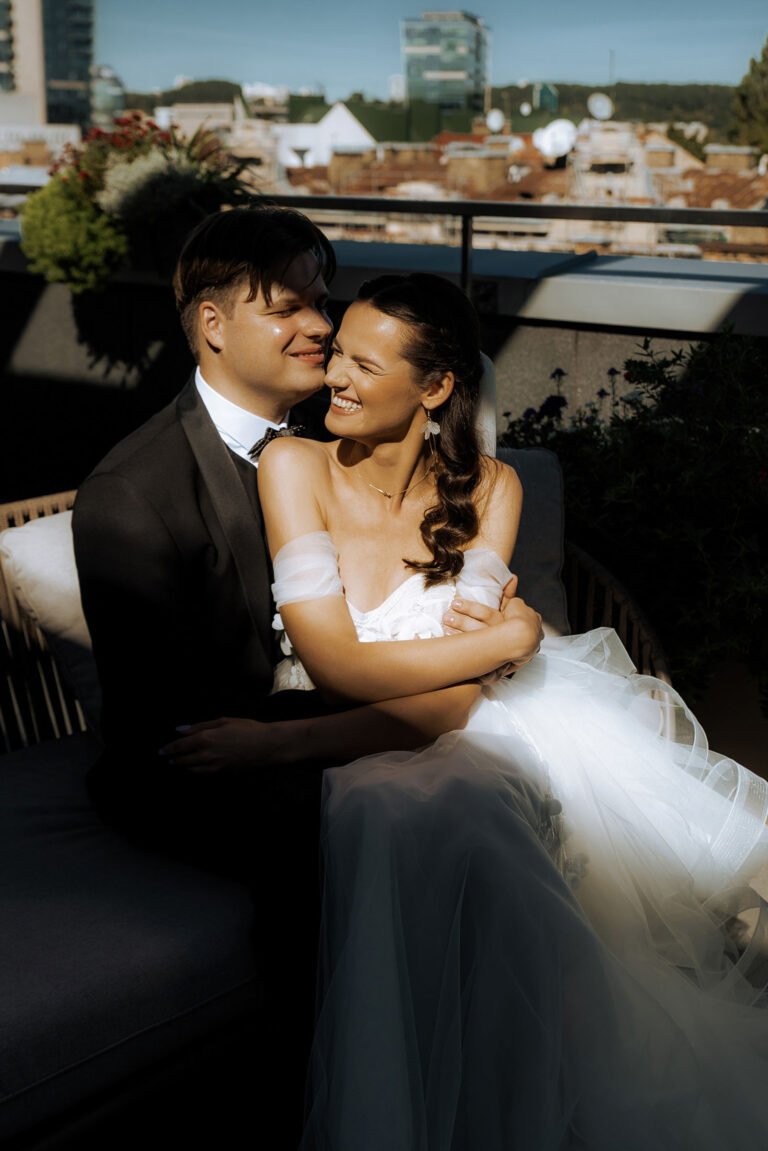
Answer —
445 60
107 96
22 77
68 44
6 47
46 53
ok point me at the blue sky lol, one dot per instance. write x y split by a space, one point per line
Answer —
347 45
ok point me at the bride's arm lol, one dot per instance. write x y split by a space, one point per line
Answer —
326 642
292 478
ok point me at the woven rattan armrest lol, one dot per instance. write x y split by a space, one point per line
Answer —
597 599
35 702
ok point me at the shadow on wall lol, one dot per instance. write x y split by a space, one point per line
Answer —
77 373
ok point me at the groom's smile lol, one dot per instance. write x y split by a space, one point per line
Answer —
312 356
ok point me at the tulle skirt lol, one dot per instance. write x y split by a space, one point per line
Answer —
539 932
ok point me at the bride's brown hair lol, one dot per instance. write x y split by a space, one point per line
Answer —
442 336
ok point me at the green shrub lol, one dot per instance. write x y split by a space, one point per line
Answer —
128 195
68 239
669 489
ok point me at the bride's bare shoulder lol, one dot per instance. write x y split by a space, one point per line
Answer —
499 505
499 482
291 458
293 488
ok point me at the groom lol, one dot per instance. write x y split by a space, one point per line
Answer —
173 568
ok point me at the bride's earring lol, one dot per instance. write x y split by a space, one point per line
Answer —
431 427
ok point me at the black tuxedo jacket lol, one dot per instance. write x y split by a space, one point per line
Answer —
175 582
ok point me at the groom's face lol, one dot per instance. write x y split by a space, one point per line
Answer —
270 353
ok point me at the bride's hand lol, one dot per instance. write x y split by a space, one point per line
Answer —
225 743
529 631
467 615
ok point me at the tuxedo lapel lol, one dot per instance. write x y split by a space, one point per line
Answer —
234 510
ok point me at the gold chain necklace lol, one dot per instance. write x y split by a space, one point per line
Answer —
390 495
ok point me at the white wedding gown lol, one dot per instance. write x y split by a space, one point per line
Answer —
530 938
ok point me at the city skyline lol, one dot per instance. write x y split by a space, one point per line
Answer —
339 50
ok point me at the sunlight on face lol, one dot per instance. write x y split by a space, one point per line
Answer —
375 391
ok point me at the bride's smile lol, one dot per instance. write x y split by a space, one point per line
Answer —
345 404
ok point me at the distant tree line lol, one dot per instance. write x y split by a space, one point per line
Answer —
712 104
196 92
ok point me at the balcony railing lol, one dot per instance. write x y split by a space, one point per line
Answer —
467 211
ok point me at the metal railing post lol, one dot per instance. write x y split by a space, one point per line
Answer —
466 254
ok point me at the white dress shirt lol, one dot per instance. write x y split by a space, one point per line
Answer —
238 428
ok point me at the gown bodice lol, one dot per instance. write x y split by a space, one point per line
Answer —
307 568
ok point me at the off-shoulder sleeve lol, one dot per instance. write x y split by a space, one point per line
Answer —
483 577
306 568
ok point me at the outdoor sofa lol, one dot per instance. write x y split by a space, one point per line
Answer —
129 984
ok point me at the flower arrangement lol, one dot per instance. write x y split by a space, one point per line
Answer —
126 196
668 487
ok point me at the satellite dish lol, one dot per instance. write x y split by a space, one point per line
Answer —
556 139
600 106
525 108
494 121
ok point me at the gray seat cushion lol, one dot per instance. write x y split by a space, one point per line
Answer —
538 558
111 956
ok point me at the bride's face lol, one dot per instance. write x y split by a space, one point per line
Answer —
375 391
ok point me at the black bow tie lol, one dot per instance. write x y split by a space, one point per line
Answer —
274 434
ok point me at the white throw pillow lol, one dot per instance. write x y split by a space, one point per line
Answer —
39 564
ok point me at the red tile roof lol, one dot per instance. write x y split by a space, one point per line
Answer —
743 190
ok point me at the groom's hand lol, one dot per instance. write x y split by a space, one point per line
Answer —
224 744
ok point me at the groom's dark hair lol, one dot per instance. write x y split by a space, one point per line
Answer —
231 248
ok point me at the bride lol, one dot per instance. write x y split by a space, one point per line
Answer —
538 931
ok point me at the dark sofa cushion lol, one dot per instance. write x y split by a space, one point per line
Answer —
111 956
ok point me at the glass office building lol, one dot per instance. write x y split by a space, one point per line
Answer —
68 43
445 60
6 47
